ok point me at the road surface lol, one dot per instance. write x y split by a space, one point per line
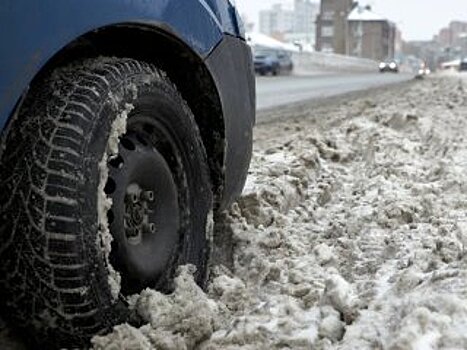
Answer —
283 90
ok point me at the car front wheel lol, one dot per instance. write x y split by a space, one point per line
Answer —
104 191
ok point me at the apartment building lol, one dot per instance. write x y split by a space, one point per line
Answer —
290 22
331 26
305 13
277 20
454 37
370 35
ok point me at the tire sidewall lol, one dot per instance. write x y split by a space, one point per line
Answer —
60 292
171 110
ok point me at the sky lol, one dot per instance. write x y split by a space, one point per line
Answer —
418 19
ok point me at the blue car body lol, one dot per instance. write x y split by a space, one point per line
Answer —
463 65
272 61
36 36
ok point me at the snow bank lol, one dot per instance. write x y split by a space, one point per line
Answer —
314 61
177 321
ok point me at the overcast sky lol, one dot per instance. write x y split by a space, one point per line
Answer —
418 19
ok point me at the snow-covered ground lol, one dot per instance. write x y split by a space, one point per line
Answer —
351 234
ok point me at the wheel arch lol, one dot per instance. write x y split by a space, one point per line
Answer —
185 68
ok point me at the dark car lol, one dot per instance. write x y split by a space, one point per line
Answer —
272 62
124 126
463 65
389 66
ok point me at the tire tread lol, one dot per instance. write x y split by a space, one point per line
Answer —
39 199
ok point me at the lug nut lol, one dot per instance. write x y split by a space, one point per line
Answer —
148 195
150 227
134 198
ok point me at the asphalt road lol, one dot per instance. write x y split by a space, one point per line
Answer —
284 90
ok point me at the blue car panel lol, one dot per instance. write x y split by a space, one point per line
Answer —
67 67
31 32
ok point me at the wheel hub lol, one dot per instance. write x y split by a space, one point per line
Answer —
145 230
139 205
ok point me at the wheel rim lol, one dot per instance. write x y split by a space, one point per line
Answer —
144 218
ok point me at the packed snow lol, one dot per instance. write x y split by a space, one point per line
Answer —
104 203
350 234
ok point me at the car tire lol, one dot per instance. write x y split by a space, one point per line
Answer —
67 154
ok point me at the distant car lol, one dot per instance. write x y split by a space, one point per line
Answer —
389 66
423 71
272 62
463 65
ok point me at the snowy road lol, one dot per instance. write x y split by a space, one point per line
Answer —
283 90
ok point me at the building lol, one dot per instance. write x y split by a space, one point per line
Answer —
331 26
444 38
294 23
370 35
458 32
453 35
451 42
305 13
278 20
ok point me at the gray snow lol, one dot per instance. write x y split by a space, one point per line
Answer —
104 203
350 234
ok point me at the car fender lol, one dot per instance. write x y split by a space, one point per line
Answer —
34 31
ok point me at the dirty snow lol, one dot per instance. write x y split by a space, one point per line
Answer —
350 234
104 203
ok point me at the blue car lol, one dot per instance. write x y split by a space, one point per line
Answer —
272 61
126 125
463 65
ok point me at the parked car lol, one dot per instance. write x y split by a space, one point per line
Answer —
389 66
269 61
123 127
